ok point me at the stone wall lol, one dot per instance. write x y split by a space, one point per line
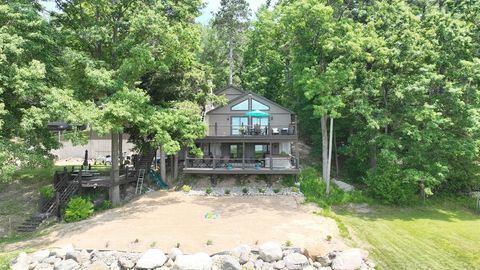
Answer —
268 256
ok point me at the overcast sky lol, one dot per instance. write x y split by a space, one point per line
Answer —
211 6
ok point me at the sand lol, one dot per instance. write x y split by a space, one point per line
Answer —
162 219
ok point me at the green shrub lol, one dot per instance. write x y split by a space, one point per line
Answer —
288 181
294 189
47 192
276 190
227 191
245 190
208 191
261 190
392 186
186 188
78 209
106 204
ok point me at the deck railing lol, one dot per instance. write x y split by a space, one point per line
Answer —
252 130
272 163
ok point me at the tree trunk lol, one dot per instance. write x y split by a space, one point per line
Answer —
114 191
230 59
337 169
120 148
329 166
323 122
175 167
163 169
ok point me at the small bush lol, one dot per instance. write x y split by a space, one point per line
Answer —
261 190
329 238
106 204
47 192
227 191
78 209
276 190
186 188
245 190
208 191
288 243
288 181
209 242
294 189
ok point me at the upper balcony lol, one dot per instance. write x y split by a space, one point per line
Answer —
252 132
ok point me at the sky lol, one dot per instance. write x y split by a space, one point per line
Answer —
210 6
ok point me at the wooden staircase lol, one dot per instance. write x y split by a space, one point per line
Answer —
64 189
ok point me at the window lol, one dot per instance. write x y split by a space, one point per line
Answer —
236 151
260 125
242 106
257 105
260 150
239 125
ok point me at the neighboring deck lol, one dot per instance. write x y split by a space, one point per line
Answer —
105 181
279 171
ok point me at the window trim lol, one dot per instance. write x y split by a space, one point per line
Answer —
251 105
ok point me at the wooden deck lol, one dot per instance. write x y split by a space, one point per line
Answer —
279 171
104 181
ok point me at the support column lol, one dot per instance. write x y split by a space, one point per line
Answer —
114 191
243 155
175 167
297 156
271 158
120 149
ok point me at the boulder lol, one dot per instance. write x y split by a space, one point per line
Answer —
324 261
249 265
226 262
242 252
21 262
350 259
98 265
270 252
152 258
197 261
43 266
296 261
126 262
174 252
279 264
40 255
67 265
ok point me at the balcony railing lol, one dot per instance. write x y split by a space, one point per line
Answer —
275 162
251 130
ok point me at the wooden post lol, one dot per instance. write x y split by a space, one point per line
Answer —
57 201
216 128
163 172
271 158
243 155
185 161
114 191
175 167
172 165
297 155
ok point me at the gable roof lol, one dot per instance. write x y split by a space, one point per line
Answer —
218 91
246 95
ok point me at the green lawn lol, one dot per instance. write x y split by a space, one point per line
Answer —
428 237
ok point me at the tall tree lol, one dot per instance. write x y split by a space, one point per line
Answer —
231 21
116 43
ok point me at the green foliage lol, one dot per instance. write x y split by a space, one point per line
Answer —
295 189
288 181
47 192
245 190
208 191
276 190
78 209
227 191
261 190
186 188
313 187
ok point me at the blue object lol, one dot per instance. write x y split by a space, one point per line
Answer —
229 167
157 179
257 114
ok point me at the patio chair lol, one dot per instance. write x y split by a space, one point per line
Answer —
275 131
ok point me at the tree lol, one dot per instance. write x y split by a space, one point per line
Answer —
231 21
113 46
31 92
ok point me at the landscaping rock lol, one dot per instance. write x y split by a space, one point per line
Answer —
126 262
98 265
43 266
296 261
242 252
348 260
21 262
226 262
40 255
68 264
198 261
270 251
152 258
279 264
250 265
324 261
174 252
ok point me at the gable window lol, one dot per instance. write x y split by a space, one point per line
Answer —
242 106
257 105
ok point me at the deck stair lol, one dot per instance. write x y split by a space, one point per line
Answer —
65 188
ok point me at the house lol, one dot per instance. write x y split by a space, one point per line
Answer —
248 135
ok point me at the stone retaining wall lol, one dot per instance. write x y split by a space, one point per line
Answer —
268 256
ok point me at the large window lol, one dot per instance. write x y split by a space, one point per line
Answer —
239 125
260 124
257 105
242 106
236 151
260 150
